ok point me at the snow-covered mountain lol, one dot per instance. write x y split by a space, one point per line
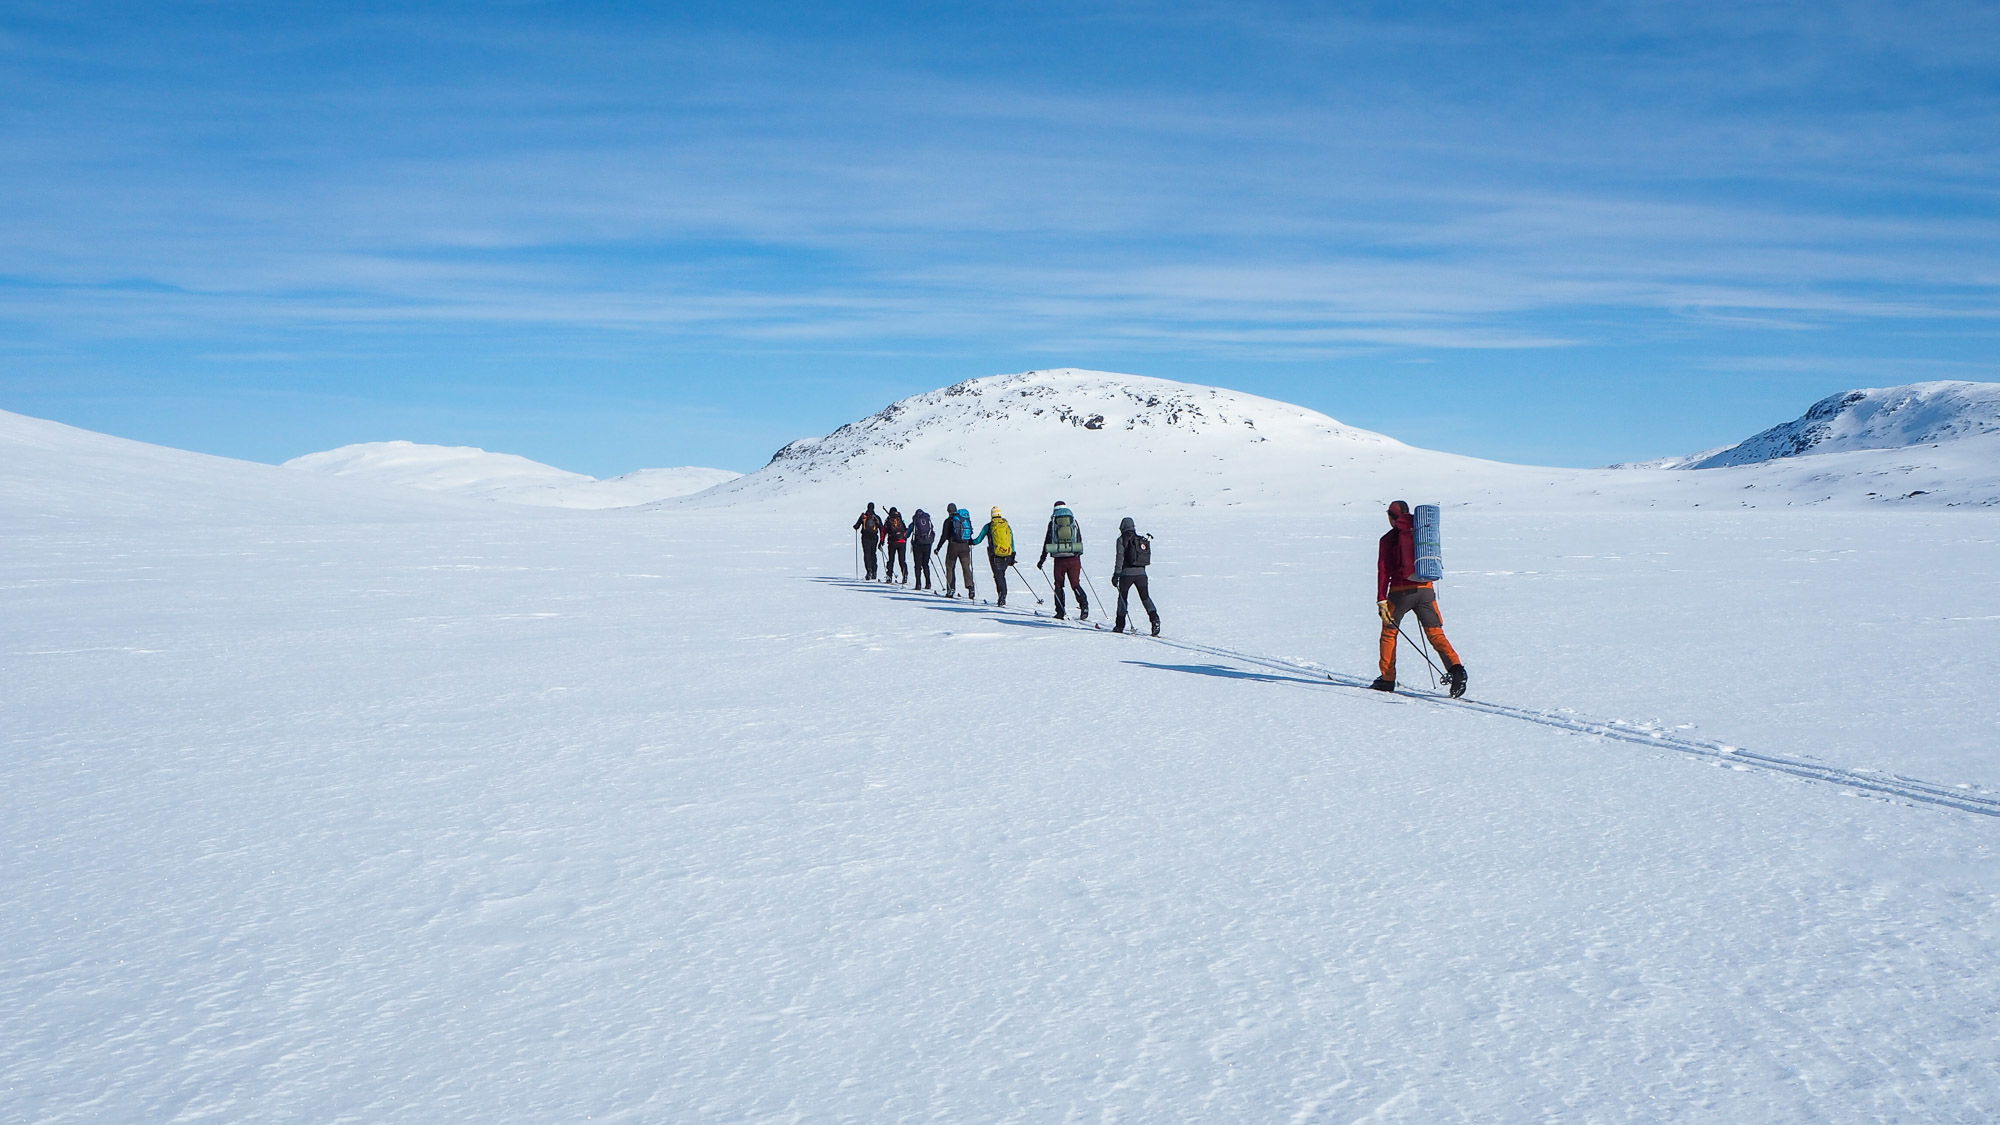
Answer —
1106 438
1925 444
468 471
1869 418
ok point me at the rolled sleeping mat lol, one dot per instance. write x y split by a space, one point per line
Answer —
1430 548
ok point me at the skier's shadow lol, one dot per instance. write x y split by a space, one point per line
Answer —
1219 671
898 594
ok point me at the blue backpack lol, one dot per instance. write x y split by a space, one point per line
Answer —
958 528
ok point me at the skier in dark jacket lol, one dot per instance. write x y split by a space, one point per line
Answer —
957 538
922 535
896 534
1063 541
870 527
1129 572
1398 591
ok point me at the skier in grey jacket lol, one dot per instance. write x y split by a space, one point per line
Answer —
1129 561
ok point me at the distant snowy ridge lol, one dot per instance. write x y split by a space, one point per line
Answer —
505 477
1869 418
53 473
1112 438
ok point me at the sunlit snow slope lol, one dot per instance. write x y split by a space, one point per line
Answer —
502 476
52 473
1104 438
1023 441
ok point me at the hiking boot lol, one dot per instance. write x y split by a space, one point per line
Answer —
1384 684
1156 628
1455 678
1060 615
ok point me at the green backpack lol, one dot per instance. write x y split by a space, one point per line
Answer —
1067 538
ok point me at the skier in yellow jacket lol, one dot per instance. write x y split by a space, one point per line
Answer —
998 536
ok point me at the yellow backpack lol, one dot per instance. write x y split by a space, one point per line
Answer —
1003 536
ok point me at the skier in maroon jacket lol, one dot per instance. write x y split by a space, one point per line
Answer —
1398 591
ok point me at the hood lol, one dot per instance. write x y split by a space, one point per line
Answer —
1399 514
1126 524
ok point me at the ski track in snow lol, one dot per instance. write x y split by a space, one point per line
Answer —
1963 798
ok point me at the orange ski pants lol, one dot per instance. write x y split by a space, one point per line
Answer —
1422 601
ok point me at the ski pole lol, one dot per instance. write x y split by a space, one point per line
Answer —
1045 582
857 554
1436 676
1016 567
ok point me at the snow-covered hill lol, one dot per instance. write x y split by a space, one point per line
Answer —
1869 418
1107 439
50 472
1129 442
506 477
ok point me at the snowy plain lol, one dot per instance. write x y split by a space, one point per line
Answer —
337 805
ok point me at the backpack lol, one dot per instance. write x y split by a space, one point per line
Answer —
1003 536
896 529
1140 553
958 529
1067 538
920 528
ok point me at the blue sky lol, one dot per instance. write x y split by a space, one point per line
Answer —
611 236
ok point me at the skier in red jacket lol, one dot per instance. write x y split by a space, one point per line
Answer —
1398 591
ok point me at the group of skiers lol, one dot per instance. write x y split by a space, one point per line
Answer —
1062 543
1398 590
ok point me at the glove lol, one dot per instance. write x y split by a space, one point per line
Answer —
1388 615
1041 562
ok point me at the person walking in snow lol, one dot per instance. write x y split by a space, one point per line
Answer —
1398 591
896 534
870 527
922 535
1130 559
957 538
998 535
1063 542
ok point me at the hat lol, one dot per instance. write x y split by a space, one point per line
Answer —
1062 503
996 510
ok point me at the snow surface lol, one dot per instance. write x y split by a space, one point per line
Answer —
319 808
503 476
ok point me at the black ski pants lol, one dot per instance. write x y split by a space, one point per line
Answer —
1125 587
899 556
869 545
1000 563
923 553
